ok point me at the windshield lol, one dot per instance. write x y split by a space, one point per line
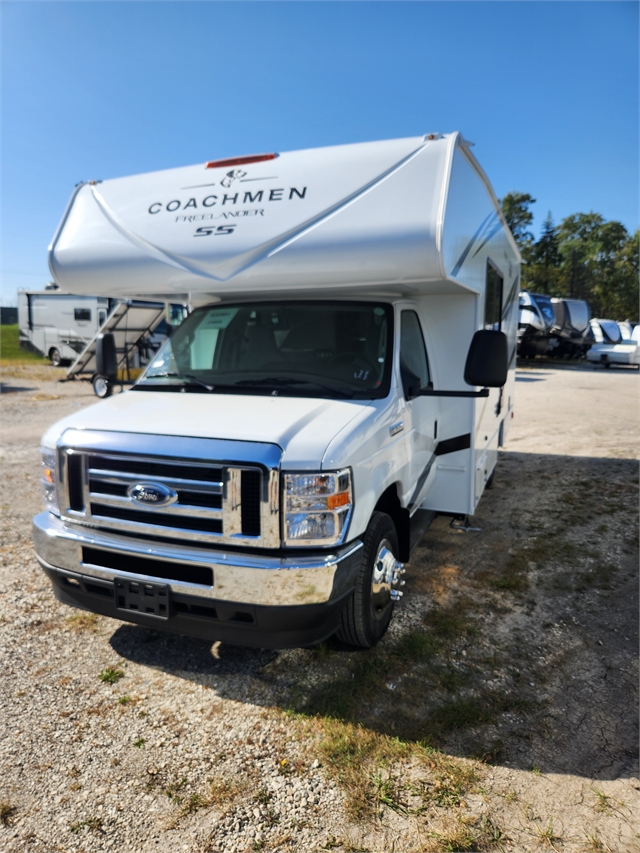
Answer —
302 349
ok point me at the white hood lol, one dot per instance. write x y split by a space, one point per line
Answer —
302 427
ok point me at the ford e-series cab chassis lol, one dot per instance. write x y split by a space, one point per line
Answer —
265 480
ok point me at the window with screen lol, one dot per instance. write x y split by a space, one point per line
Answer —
414 366
81 313
493 298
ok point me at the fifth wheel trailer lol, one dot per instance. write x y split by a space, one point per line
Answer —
347 374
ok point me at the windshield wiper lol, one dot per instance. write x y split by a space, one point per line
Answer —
279 382
188 376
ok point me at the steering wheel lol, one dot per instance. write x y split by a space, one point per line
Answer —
352 358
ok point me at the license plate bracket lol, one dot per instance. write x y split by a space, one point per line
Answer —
150 599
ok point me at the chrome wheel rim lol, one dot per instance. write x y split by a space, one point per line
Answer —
381 577
100 386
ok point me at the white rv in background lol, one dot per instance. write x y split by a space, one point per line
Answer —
347 374
59 325
614 343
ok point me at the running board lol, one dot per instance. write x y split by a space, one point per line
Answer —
419 524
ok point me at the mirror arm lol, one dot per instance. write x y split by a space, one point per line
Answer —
429 392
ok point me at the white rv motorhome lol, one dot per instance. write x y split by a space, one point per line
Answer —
59 325
347 375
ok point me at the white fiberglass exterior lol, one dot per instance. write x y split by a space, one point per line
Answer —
361 216
411 222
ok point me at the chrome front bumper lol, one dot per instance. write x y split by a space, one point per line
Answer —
237 577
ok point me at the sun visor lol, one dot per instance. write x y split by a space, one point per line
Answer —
347 215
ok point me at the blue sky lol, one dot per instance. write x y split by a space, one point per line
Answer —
548 91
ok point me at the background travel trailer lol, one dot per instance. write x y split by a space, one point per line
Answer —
572 330
535 323
407 228
64 327
59 325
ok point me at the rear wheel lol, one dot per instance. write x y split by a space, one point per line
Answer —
101 386
55 357
366 616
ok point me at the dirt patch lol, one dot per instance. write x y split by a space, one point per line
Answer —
499 713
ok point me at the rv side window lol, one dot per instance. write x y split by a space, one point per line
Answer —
493 298
81 313
414 365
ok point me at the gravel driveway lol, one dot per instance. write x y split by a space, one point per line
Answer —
499 713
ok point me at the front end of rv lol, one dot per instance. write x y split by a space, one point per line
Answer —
346 374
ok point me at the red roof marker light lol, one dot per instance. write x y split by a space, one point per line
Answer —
239 161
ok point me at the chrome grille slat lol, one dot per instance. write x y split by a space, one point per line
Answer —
209 506
213 486
172 509
156 529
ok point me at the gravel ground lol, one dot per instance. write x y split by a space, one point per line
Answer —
499 713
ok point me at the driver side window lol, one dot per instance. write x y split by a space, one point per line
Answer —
414 366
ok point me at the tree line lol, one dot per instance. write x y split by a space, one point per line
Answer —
584 257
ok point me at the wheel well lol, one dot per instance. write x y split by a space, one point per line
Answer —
389 502
51 350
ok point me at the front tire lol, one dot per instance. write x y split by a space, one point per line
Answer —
101 386
54 357
368 612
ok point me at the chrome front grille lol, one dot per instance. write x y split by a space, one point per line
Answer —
220 502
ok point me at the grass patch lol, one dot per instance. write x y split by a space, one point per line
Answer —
10 349
94 824
111 675
7 812
372 770
599 577
372 672
552 546
82 621
511 582
219 792
463 835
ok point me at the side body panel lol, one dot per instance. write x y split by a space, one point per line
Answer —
478 250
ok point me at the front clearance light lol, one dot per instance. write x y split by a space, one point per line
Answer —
317 507
49 479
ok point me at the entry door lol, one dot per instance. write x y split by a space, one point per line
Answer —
421 412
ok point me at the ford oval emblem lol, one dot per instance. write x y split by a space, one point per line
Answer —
152 494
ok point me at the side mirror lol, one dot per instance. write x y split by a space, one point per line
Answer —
106 355
488 359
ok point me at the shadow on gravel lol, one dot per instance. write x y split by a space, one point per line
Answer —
12 389
188 657
517 646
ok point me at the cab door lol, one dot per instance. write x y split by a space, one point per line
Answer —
421 413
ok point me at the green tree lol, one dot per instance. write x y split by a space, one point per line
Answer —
599 264
585 257
543 273
515 207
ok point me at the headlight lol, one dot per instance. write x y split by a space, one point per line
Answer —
317 507
49 480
